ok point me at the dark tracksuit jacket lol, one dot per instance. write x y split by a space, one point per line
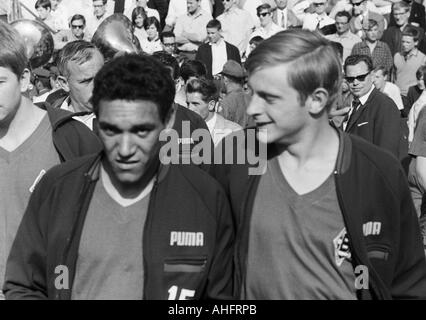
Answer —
184 200
371 187
71 138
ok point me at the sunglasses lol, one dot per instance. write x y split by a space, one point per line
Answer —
357 4
360 78
74 26
263 14
226 0
319 4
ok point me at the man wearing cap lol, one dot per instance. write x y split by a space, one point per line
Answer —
215 53
236 100
319 18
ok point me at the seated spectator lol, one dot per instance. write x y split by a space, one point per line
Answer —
138 18
42 84
343 34
100 13
415 110
380 81
178 8
76 32
393 35
202 97
408 60
44 9
377 50
361 16
217 51
416 17
319 18
283 16
152 43
144 5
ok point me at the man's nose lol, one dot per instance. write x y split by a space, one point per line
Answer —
126 146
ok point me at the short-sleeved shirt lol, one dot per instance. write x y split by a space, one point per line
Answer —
406 68
298 244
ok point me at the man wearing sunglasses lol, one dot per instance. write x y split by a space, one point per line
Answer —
76 32
360 16
373 115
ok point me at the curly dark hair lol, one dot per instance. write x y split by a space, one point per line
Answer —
135 77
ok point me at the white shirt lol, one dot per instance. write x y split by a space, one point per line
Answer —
264 33
363 100
150 47
237 25
86 119
312 20
393 92
219 56
194 24
250 6
211 123
178 8
282 18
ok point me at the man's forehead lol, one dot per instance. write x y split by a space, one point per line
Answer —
88 68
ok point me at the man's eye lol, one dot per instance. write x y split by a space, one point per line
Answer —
109 132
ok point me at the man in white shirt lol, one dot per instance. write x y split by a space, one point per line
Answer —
319 19
237 25
190 29
178 8
343 35
79 62
201 97
380 81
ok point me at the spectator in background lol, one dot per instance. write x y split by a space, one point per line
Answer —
190 69
138 18
202 97
319 18
408 60
393 35
235 102
237 25
217 51
99 15
142 4
416 17
152 43
343 34
416 108
283 16
380 81
190 28
378 51
178 8
415 91
253 43
76 32
373 115
267 26
360 17
44 9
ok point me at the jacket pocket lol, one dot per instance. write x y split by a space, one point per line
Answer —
183 277
380 252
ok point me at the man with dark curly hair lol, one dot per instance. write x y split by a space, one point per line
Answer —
120 224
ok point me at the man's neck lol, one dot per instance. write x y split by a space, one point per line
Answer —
371 43
77 107
195 13
343 33
231 8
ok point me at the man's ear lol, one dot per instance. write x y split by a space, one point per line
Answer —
25 80
63 83
317 101
212 106
171 116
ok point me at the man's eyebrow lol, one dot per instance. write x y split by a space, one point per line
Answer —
267 94
86 79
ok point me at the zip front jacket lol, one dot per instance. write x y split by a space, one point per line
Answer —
187 239
372 189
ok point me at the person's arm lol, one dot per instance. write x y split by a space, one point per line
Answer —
180 33
220 278
387 133
421 171
26 266
409 281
